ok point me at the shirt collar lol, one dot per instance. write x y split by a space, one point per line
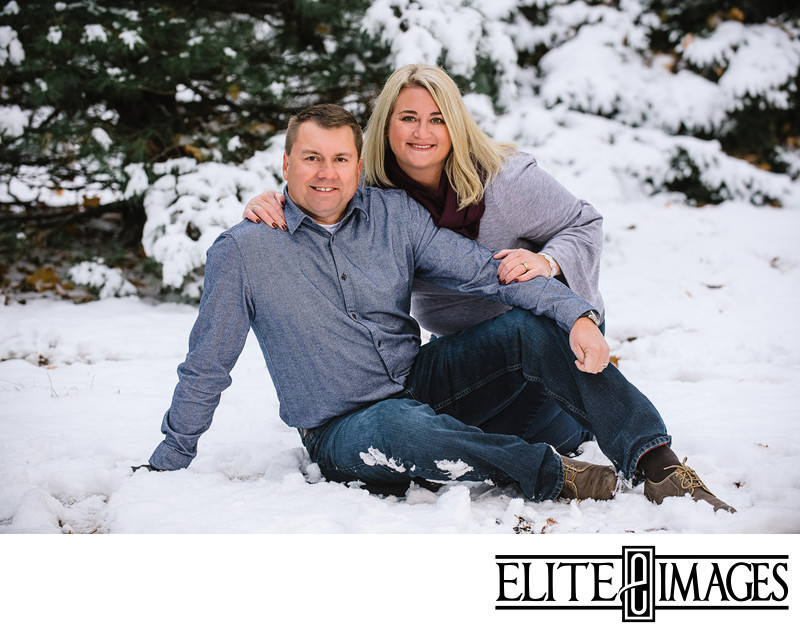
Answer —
295 216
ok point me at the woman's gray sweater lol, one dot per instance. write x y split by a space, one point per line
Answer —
525 208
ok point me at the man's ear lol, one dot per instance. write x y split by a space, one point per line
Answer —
286 166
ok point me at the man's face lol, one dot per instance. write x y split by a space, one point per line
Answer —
322 171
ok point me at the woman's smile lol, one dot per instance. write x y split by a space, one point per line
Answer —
418 136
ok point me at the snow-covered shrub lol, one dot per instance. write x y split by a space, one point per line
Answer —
106 282
468 37
706 175
732 83
192 202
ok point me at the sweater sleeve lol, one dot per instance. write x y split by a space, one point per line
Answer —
532 206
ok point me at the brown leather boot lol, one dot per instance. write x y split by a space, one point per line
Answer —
585 480
684 480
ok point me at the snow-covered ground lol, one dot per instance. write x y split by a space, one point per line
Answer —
702 310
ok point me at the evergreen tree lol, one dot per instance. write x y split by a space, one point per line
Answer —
758 126
94 87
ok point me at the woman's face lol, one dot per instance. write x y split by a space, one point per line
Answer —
418 136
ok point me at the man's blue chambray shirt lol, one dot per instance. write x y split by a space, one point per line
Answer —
330 311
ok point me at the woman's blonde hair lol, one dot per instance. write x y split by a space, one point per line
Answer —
472 153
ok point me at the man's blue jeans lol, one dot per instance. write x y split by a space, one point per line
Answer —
463 387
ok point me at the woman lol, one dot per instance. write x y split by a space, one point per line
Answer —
422 138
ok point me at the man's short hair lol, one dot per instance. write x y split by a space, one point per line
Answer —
326 116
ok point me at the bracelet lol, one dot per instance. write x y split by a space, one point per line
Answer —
552 262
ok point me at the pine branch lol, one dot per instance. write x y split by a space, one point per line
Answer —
45 216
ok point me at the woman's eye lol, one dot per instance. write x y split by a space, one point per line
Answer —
437 121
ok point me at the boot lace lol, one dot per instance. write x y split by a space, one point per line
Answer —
689 478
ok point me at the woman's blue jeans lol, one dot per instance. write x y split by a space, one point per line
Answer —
459 419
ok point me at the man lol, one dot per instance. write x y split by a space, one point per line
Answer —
329 302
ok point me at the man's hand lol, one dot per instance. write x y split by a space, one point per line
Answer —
589 346
145 466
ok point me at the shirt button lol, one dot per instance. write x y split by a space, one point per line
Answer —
354 316
344 277
380 344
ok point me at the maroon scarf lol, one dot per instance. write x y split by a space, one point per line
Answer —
443 206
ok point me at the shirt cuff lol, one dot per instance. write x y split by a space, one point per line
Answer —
165 458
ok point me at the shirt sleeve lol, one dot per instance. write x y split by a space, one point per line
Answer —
215 343
452 261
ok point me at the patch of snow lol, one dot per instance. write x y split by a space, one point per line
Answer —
373 457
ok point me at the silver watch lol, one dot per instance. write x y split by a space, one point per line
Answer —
593 316
552 262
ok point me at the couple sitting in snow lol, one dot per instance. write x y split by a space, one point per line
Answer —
517 375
